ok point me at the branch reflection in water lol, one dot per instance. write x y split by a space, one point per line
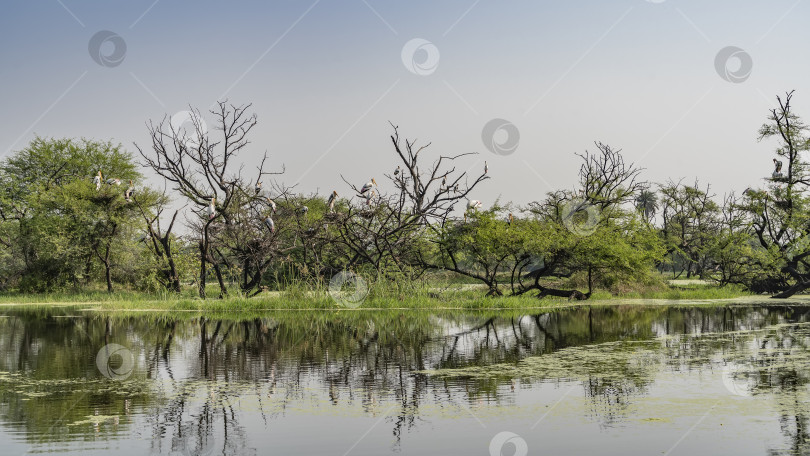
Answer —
210 384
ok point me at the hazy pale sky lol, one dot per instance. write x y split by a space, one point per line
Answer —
654 78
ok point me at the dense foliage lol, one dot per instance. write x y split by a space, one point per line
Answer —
75 213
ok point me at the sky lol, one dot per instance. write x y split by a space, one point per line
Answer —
681 86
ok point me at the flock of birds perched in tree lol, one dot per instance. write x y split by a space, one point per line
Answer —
367 191
128 193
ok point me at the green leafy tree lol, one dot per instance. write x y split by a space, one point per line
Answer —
60 223
484 247
780 213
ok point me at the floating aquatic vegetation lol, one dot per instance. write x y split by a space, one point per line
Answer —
618 360
775 348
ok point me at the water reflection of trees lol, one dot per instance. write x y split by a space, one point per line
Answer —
201 367
783 369
772 361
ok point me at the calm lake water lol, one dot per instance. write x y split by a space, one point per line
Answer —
623 380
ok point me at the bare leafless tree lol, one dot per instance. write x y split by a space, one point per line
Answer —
204 169
605 179
384 230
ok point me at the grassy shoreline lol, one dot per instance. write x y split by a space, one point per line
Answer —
464 299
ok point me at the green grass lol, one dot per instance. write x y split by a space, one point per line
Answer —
680 292
436 293
437 290
380 297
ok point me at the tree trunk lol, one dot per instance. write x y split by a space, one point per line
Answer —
245 268
223 291
108 277
172 279
570 294
107 273
799 287
175 278
203 259
87 265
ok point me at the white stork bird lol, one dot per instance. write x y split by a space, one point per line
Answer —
272 204
472 205
97 180
304 210
270 224
212 208
368 196
130 191
368 186
113 181
777 171
331 201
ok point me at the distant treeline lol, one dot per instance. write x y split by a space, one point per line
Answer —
76 213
